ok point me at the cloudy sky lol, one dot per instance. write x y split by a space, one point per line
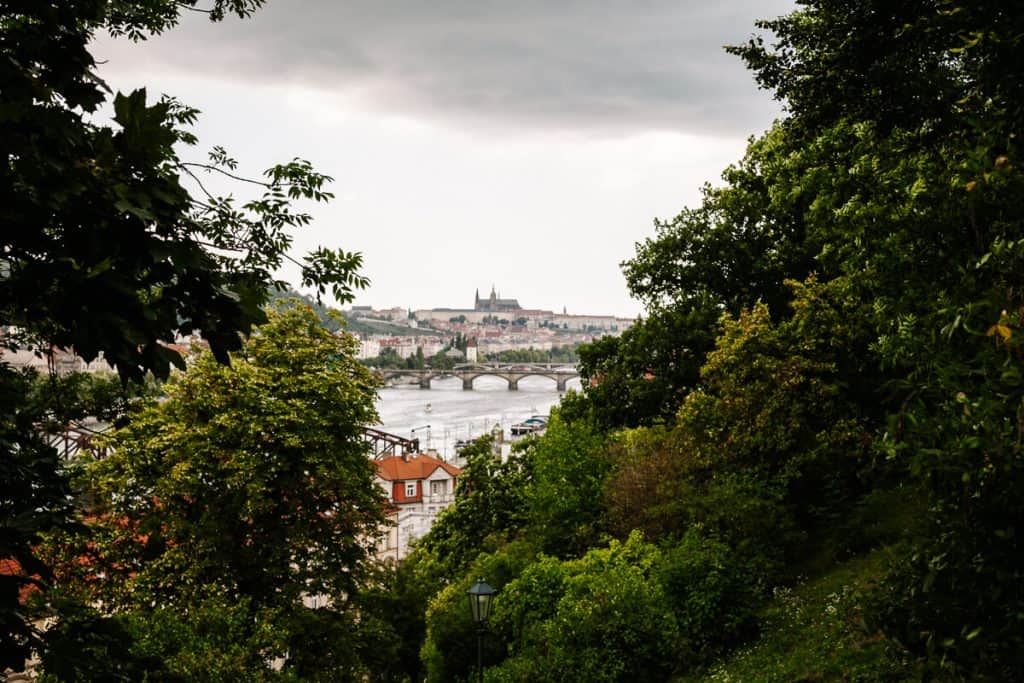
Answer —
523 144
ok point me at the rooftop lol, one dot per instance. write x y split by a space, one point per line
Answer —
410 467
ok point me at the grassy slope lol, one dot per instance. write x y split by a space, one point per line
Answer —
815 632
367 326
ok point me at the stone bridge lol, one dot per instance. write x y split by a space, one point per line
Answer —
510 372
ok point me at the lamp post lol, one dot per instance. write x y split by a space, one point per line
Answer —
412 435
481 597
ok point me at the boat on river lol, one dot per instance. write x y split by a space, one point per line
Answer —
531 425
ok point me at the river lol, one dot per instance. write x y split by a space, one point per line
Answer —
446 413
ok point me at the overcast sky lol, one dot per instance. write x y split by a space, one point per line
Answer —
523 144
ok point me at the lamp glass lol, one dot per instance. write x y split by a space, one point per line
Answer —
480 600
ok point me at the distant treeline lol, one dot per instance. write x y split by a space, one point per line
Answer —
557 354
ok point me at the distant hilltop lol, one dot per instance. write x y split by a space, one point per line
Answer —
494 325
493 310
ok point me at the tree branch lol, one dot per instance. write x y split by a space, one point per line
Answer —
190 8
210 167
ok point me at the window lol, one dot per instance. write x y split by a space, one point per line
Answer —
438 488
410 489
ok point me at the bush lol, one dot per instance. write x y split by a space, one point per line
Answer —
712 596
600 618
447 653
565 504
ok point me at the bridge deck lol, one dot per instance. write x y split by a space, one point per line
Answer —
510 372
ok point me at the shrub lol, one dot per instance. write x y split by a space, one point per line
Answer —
712 595
600 618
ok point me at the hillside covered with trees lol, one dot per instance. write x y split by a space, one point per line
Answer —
806 462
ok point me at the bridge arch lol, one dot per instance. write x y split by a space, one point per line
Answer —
546 375
468 377
389 376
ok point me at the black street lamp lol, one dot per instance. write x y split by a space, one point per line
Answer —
481 599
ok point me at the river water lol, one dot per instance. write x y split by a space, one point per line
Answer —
446 413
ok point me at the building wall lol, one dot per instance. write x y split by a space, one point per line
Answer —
414 515
368 348
63 362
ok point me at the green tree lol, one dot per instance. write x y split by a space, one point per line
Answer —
925 216
460 341
388 358
110 244
34 499
491 506
248 485
450 627
771 447
600 618
392 617
416 361
835 60
641 377
568 466
74 189
735 249
331 318
557 354
441 361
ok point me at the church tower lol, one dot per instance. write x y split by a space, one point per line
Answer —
476 301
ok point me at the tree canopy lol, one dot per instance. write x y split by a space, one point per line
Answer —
111 244
248 485
111 213
835 328
830 367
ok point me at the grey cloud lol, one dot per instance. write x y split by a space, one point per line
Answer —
567 65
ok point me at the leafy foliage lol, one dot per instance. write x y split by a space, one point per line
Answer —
450 626
556 354
491 498
897 207
111 243
837 60
34 500
568 469
248 483
614 613
940 255
104 212
815 630
641 377
834 334
610 622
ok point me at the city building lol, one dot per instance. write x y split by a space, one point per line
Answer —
418 487
494 303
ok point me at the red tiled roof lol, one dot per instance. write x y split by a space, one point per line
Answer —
418 466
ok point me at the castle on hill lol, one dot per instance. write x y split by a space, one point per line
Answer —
494 303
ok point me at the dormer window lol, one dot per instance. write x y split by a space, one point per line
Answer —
410 489
439 488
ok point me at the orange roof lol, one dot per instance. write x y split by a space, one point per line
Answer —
417 466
